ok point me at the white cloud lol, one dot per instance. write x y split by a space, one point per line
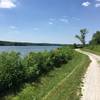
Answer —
13 27
64 20
97 5
50 23
86 4
7 4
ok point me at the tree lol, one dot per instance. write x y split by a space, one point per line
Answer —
95 38
82 36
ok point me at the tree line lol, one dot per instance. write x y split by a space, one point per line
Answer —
9 43
82 37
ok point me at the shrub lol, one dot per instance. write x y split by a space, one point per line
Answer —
11 70
15 70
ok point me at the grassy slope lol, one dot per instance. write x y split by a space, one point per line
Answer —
93 49
61 84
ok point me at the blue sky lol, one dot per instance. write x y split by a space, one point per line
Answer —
52 21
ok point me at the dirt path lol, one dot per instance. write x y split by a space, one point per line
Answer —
91 88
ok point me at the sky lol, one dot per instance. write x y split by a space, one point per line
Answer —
48 21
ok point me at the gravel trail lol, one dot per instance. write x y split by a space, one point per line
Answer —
91 87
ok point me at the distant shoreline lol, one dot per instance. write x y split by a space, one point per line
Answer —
9 43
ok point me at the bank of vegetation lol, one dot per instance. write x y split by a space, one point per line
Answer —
40 76
93 49
16 70
94 44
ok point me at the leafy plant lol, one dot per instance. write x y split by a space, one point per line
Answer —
15 70
11 70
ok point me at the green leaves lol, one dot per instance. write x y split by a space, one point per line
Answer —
15 70
95 38
11 70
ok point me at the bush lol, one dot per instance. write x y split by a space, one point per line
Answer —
11 70
15 70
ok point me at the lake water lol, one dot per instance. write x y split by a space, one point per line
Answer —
26 49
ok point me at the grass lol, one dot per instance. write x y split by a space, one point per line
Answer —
70 87
93 49
60 84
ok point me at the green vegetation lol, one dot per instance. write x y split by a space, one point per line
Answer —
82 36
11 71
94 44
95 39
16 71
54 75
93 49
70 87
61 83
